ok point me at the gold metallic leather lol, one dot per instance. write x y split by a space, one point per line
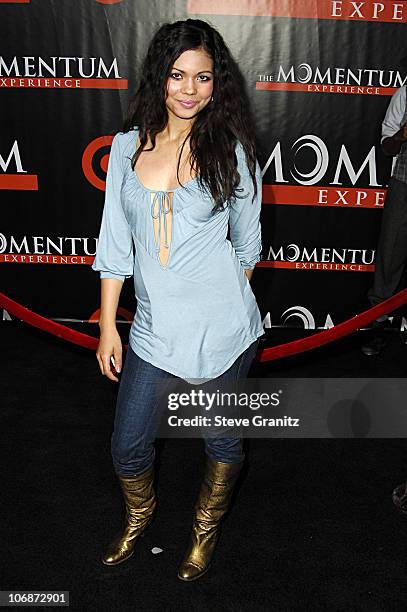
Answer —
211 505
140 500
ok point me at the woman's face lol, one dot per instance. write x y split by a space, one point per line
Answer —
190 84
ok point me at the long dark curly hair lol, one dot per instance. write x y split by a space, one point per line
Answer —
217 127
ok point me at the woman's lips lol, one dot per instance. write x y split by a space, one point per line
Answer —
187 103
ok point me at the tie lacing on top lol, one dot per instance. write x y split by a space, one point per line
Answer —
163 202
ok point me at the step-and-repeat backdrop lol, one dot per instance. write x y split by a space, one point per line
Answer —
320 75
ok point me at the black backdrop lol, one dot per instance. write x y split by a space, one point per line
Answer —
320 75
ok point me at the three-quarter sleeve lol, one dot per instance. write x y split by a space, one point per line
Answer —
114 252
244 215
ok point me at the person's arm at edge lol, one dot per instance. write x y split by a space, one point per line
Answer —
391 143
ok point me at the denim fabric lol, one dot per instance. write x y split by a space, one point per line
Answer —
137 413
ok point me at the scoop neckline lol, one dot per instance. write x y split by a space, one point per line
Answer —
134 172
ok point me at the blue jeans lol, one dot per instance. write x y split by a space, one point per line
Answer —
137 407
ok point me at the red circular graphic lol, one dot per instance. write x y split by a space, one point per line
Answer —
103 163
87 159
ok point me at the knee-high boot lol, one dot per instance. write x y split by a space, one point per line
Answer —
140 500
212 503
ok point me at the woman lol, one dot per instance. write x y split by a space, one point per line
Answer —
181 173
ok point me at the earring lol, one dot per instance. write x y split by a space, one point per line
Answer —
212 99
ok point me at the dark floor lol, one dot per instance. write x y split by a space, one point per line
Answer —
312 527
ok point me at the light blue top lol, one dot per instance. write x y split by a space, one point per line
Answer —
196 314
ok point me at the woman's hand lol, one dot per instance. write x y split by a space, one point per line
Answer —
110 345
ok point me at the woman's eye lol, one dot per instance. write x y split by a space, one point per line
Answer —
201 77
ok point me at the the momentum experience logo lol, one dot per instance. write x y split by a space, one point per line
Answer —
314 79
20 179
297 316
295 257
391 12
47 250
29 72
307 191
300 316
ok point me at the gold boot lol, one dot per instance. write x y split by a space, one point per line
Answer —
140 503
211 505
